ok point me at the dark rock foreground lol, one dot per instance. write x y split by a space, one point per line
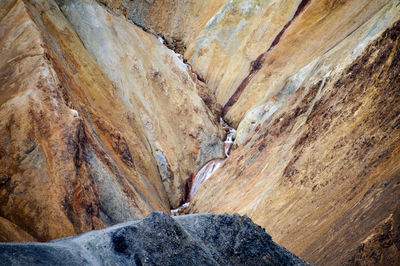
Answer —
201 239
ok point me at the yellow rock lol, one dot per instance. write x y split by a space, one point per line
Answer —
320 172
79 151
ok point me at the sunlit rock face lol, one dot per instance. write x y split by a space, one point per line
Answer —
84 144
179 22
250 51
72 157
157 89
321 172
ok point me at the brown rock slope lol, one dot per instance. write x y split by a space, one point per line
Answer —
322 173
156 88
100 123
249 49
178 21
73 154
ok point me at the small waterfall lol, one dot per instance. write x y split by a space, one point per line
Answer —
210 167
205 172
230 137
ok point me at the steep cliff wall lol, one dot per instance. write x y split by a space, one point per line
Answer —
85 146
176 20
321 173
72 159
156 88
250 49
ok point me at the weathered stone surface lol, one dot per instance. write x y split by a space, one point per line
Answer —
100 123
159 240
175 20
12 232
75 153
71 157
156 87
381 247
249 50
322 171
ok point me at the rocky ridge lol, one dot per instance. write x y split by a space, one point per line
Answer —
204 239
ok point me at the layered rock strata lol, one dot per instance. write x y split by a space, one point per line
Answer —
159 240
251 51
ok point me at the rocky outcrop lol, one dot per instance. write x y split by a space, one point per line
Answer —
254 53
178 22
381 247
159 240
72 158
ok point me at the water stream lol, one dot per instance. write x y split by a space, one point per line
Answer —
210 167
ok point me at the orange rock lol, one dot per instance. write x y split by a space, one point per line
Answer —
322 172
74 157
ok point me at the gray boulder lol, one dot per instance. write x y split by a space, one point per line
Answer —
197 239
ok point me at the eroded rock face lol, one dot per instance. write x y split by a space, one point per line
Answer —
72 158
84 146
249 51
321 173
155 85
100 123
159 240
179 22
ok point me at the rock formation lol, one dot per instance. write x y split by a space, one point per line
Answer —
88 141
102 121
318 137
204 239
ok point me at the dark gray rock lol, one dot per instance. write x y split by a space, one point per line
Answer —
197 239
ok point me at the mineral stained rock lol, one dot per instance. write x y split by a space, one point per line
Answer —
156 88
198 239
89 141
67 162
100 123
179 22
321 173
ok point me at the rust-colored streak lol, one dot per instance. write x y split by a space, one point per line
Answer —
255 67
299 9
257 64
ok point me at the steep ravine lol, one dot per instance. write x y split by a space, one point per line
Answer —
207 169
102 123
91 137
321 173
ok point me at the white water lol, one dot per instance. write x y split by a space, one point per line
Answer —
210 167
205 173
179 211
230 138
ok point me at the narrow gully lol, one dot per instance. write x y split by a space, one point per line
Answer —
209 168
